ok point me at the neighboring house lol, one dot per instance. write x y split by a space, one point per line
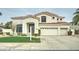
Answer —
1 26
4 31
48 24
7 31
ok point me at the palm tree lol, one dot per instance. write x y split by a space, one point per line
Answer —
76 17
76 21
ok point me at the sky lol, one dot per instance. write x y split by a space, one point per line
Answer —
7 13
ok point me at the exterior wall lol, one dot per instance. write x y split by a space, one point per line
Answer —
58 29
15 22
73 31
31 20
49 19
63 26
24 23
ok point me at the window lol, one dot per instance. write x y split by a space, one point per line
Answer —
19 28
61 19
57 19
43 18
53 17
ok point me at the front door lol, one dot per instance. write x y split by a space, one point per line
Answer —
31 27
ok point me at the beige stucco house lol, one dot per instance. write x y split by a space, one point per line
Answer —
48 24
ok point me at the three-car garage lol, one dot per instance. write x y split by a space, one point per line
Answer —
54 31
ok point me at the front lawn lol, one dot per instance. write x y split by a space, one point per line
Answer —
19 39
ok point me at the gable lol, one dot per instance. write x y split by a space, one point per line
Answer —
49 17
49 14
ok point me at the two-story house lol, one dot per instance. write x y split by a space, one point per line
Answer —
48 24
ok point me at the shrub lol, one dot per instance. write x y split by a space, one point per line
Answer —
1 32
8 33
35 34
39 32
69 32
76 31
23 35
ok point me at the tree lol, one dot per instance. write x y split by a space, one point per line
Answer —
1 24
0 13
76 17
8 25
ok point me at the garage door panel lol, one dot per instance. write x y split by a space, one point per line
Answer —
49 31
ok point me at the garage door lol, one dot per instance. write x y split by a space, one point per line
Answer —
49 31
63 31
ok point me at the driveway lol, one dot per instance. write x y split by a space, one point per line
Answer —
62 42
47 43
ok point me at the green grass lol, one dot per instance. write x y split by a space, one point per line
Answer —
19 39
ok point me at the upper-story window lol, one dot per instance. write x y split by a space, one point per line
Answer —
57 19
53 17
61 19
43 18
19 28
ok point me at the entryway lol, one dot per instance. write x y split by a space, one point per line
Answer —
31 27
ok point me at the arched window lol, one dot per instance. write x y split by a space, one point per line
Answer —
43 18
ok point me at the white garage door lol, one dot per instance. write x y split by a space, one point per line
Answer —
49 31
63 31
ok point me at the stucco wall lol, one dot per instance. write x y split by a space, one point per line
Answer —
15 22
24 23
49 19
32 20
57 30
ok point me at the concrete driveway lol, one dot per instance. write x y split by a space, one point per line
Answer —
47 43
62 42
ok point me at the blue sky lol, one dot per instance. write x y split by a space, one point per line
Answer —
7 13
